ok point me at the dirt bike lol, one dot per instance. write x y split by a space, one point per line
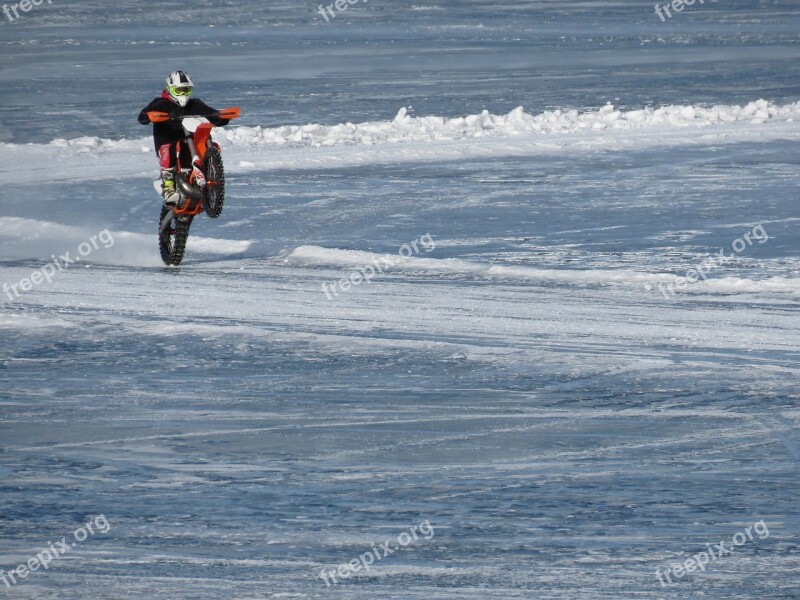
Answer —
198 192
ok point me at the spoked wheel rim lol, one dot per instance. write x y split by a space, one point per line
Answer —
214 192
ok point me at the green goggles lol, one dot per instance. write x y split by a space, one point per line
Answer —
181 91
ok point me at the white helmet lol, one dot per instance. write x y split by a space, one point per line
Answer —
179 87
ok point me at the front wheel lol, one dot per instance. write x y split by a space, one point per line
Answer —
214 192
172 238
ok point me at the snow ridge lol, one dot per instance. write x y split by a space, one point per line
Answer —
405 128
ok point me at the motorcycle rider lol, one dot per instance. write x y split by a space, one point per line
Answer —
176 101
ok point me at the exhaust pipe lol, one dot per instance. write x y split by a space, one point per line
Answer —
189 190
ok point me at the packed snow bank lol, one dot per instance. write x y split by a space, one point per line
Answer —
23 239
407 138
350 261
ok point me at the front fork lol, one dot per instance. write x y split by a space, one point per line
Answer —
197 165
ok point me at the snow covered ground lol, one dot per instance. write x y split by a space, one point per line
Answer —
575 354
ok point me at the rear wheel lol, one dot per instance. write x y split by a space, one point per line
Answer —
172 241
214 192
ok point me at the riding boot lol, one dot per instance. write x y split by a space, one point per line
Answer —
168 191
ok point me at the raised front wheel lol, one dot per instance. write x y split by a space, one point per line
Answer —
214 192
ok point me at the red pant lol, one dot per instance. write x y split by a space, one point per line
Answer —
167 155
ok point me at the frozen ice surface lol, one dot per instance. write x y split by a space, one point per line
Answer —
544 386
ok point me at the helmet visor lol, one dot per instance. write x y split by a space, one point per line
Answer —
181 90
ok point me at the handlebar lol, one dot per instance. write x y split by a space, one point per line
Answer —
156 116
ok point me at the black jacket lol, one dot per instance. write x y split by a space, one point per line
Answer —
171 131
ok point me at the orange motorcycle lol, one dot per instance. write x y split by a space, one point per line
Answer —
197 194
